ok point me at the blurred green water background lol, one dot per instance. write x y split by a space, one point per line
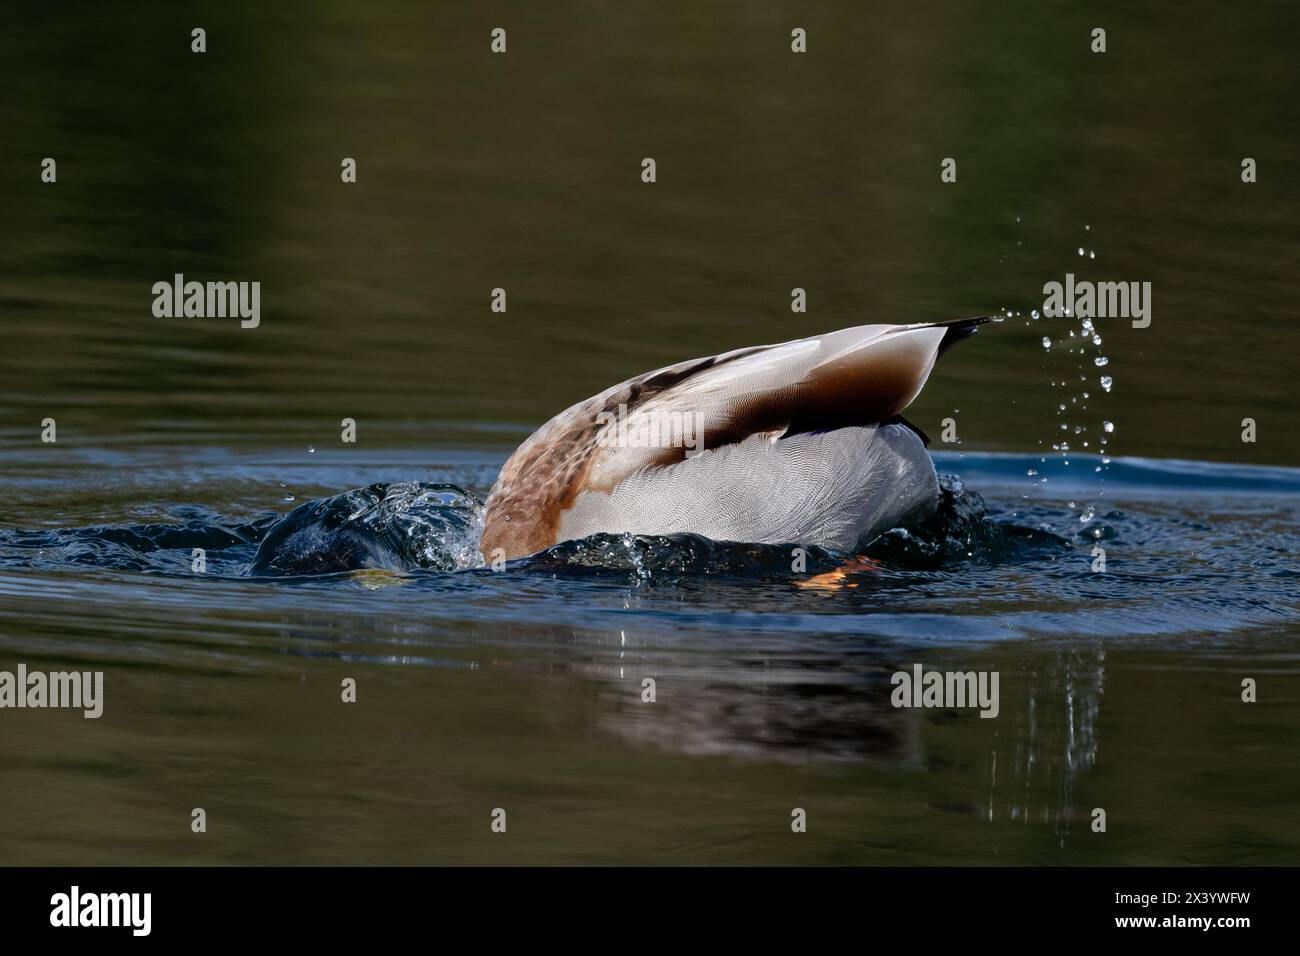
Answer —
522 171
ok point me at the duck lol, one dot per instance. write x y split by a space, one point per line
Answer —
797 443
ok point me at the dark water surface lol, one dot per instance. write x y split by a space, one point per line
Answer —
521 688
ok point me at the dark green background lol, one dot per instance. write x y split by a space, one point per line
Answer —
775 170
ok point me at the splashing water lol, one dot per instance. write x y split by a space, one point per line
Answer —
412 527
397 527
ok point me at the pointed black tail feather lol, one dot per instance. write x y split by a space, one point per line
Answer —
959 329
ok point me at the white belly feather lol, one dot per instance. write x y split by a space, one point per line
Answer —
836 489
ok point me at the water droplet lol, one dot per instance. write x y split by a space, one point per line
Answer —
1109 426
1092 255
1081 250
1047 343
1100 360
288 497
1096 340
311 449
1034 314
1107 382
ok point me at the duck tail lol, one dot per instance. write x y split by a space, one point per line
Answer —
955 330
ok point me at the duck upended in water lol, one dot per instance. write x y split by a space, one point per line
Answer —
796 443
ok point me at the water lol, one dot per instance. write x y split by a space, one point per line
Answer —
521 688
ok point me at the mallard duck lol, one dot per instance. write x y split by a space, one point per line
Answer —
798 443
